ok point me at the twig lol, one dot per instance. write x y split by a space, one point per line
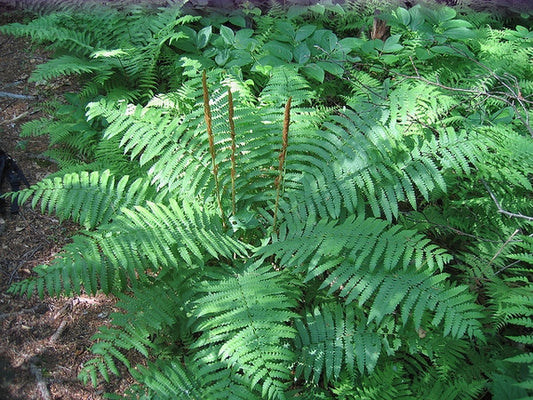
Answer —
451 228
15 119
26 255
500 209
502 247
16 313
17 96
58 332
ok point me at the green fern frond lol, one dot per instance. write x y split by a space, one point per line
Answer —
168 379
333 338
138 241
286 81
148 314
246 317
88 198
346 258
63 65
370 243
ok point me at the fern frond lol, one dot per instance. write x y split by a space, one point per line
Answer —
148 313
168 379
247 318
63 65
137 242
88 198
332 338
346 258
285 81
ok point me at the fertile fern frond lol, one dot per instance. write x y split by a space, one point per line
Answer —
247 318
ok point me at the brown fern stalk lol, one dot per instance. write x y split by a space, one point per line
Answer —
281 157
233 148
208 122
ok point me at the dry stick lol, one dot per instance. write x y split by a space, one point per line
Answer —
281 157
207 116
502 247
17 96
58 332
233 148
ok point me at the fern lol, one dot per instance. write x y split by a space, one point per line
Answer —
249 332
270 238
331 338
89 199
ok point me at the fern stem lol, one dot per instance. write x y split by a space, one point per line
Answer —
208 122
233 148
281 157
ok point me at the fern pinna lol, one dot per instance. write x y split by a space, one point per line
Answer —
264 245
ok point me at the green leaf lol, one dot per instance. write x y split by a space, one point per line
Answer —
302 54
318 8
455 23
351 43
391 45
279 50
203 36
459 33
403 15
227 34
331 67
314 71
304 32
238 20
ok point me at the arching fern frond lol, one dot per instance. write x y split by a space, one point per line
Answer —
333 338
246 317
285 81
88 198
144 239
362 261
150 310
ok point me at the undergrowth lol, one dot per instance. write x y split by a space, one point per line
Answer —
287 206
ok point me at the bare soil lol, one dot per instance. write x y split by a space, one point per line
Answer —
43 342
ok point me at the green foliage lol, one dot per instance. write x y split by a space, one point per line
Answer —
286 207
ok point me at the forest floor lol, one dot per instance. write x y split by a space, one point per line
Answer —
43 342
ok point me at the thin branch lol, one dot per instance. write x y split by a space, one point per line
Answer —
500 208
503 247
452 229
17 96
